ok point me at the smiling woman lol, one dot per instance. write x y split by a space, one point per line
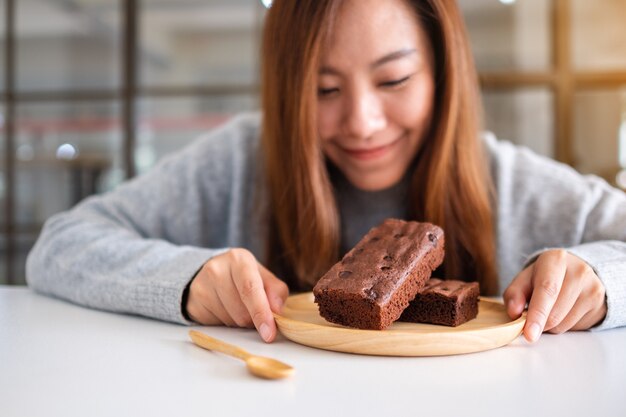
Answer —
370 111
367 102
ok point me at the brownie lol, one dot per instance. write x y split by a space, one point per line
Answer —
374 282
449 303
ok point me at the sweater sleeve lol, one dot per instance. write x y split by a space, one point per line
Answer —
608 260
543 204
135 249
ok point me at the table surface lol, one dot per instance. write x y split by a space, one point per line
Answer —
59 359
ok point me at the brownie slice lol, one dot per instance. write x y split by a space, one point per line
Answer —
374 282
449 303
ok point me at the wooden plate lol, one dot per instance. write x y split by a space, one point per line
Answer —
300 322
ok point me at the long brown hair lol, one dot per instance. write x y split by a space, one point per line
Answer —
451 184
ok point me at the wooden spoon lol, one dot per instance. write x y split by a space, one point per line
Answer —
260 366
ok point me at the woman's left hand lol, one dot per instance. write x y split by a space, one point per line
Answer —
562 291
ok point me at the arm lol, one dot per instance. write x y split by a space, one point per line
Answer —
568 231
136 249
131 250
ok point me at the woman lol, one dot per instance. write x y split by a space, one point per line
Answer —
370 110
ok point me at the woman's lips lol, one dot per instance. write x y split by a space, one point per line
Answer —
370 153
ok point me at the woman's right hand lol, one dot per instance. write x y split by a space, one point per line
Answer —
236 290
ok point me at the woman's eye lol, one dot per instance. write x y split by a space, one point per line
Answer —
396 83
323 92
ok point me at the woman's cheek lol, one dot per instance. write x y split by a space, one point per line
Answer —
327 121
415 102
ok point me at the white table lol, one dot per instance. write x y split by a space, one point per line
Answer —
58 359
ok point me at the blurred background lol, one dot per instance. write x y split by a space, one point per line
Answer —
95 91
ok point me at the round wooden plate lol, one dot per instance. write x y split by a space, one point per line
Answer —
300 322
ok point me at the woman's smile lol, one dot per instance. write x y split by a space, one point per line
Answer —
371 153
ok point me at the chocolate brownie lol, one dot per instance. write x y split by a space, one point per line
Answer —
449 303
374 282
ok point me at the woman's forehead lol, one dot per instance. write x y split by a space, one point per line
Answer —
367 30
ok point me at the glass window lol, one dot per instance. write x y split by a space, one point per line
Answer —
188 42
599 34
168 124
598 116
523 116
507 37
64 152
68 45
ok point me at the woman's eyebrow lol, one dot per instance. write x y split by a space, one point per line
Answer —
399 54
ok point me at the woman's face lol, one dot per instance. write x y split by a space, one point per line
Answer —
375 91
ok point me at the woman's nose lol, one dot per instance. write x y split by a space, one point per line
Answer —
364 116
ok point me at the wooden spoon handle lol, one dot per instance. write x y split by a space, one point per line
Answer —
210 343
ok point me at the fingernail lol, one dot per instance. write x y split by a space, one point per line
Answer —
533 332
264 330
510 308
279 304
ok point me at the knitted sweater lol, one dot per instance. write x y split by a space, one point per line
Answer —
135 249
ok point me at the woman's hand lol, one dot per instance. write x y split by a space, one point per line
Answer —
562 291
235 290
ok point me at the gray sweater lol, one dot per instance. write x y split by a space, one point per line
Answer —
135 249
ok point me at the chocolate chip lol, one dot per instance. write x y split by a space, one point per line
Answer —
385 268
371 294
345 274
432 237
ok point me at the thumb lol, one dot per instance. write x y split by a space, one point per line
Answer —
275 289
518 293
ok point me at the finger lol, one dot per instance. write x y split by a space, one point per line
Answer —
235 308
250 286
548 275
590 319
591 302
218 309
576 313
567 298
595 299
518 293
276 290
231 301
